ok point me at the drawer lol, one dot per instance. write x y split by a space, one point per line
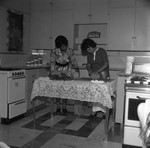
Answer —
131 136
17 108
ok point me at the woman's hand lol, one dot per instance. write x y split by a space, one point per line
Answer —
75 75
95 76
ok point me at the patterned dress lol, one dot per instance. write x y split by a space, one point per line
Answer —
62 64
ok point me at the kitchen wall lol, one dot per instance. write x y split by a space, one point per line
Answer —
22 6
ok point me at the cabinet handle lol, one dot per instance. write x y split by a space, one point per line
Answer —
141 98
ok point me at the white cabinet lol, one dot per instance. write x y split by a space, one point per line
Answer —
129 25
41 5
47 5
122 3
41 30
48 20
90 11
62 24
120 98
42 72
121 29
142 28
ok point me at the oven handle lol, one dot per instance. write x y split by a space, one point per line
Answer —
141 98
18 78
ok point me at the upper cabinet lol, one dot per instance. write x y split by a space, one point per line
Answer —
41 30
121 29
129 25
47 5
121 3
142 29
127 22
90 11
20 5
50 18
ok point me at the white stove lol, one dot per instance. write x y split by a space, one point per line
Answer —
137 90
12 93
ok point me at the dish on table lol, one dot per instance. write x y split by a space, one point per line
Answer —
98 81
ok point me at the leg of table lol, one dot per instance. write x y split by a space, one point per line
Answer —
51 105
33 108
107 121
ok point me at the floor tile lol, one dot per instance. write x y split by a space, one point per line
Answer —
64 141
17 136
54 120
108 144
76 124
98 133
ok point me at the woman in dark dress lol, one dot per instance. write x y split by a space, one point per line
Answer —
97 65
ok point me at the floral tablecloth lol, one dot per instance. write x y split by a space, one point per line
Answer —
74 89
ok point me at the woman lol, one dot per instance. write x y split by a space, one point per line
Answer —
97 66
63 62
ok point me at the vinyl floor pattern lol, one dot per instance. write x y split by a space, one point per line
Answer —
60 131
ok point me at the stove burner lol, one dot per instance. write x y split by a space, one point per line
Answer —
139 78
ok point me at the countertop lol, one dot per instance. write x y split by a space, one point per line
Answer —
123 74
22 67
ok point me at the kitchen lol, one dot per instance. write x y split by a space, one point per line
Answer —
123 26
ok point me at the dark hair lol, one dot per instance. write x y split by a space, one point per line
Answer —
86 43
61 40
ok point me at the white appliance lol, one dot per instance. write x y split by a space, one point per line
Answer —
137 90
12 93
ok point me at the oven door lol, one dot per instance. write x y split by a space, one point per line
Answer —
16 89
133 99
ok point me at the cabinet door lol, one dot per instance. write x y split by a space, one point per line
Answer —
121 29
90 11
142 28
40 5
62 4
41 25
42 72
81 12
62 25
99 11
122 3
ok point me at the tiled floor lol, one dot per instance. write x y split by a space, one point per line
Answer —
60 131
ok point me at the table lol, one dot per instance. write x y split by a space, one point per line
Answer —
82 90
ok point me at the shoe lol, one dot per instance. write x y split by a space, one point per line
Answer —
93 115
58 111
64 111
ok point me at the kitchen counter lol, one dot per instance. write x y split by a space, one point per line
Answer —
110 68
123 74
22 67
